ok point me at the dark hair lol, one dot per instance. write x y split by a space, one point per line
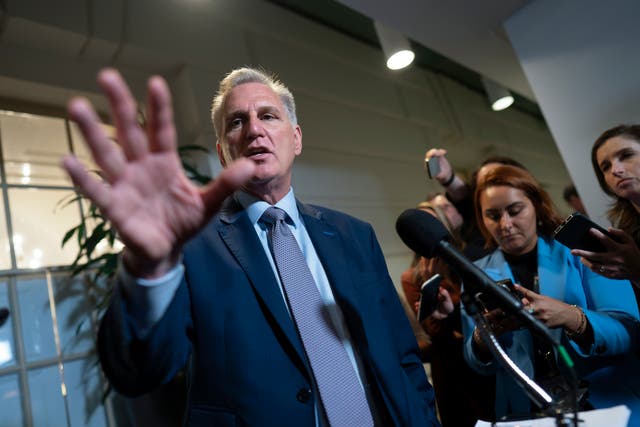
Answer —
569 192
515 177
622 212
502 160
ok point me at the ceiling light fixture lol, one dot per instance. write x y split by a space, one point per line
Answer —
499 97
395 46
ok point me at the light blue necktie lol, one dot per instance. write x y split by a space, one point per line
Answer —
342 396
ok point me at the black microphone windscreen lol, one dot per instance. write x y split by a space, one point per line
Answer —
421 231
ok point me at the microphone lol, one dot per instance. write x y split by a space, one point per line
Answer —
425 235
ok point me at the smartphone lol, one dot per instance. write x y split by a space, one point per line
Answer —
574 233
489 301
429 297
433 166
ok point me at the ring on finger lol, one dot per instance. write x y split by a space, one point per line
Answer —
531 310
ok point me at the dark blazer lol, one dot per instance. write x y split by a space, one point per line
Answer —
248 367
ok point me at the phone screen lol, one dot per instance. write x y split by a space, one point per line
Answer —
429 297
490 302
433 167
574 233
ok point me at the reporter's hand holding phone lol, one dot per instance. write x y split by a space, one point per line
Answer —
620 260
550 311
435 301
443 170
432 324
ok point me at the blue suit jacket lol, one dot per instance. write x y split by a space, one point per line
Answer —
248 367
610 306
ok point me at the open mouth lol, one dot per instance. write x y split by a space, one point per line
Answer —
257 153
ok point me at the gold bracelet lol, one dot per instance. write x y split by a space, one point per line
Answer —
582 327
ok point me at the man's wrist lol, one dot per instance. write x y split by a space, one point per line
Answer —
148 269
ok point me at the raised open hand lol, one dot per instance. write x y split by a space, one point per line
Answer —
147 197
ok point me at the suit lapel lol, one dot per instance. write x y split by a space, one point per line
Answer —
330 249
238 234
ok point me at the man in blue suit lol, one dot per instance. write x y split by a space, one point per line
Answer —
199 280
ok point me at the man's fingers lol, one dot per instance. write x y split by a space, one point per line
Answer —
105 153
233 177
161 127
88 185
125 113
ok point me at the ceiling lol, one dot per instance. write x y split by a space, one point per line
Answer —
463 39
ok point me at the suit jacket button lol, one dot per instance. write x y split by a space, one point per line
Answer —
304 394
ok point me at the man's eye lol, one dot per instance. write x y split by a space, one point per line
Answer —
235 123
268 117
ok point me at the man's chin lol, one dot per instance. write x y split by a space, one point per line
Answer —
261 179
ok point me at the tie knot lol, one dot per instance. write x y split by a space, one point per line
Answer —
273 215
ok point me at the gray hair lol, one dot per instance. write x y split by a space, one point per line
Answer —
250 75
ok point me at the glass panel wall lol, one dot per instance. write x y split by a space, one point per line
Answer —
39 222
7 346
10 403
42 142
49 374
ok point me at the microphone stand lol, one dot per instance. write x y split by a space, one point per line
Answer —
536 393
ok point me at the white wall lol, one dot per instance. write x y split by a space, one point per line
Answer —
365 128
580 57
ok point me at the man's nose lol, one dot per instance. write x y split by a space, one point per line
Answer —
254 127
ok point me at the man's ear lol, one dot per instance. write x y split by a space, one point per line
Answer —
223 162
297 139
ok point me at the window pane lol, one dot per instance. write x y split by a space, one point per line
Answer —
39 224
32 146
5 255
7 349
47 404
74 314
37 327
84 393
10 402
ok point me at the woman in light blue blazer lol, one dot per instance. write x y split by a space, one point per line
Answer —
595 317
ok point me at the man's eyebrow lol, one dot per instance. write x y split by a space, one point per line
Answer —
269 109
236 113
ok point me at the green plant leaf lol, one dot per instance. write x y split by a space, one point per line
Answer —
69 234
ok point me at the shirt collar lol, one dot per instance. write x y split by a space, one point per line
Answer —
256 207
